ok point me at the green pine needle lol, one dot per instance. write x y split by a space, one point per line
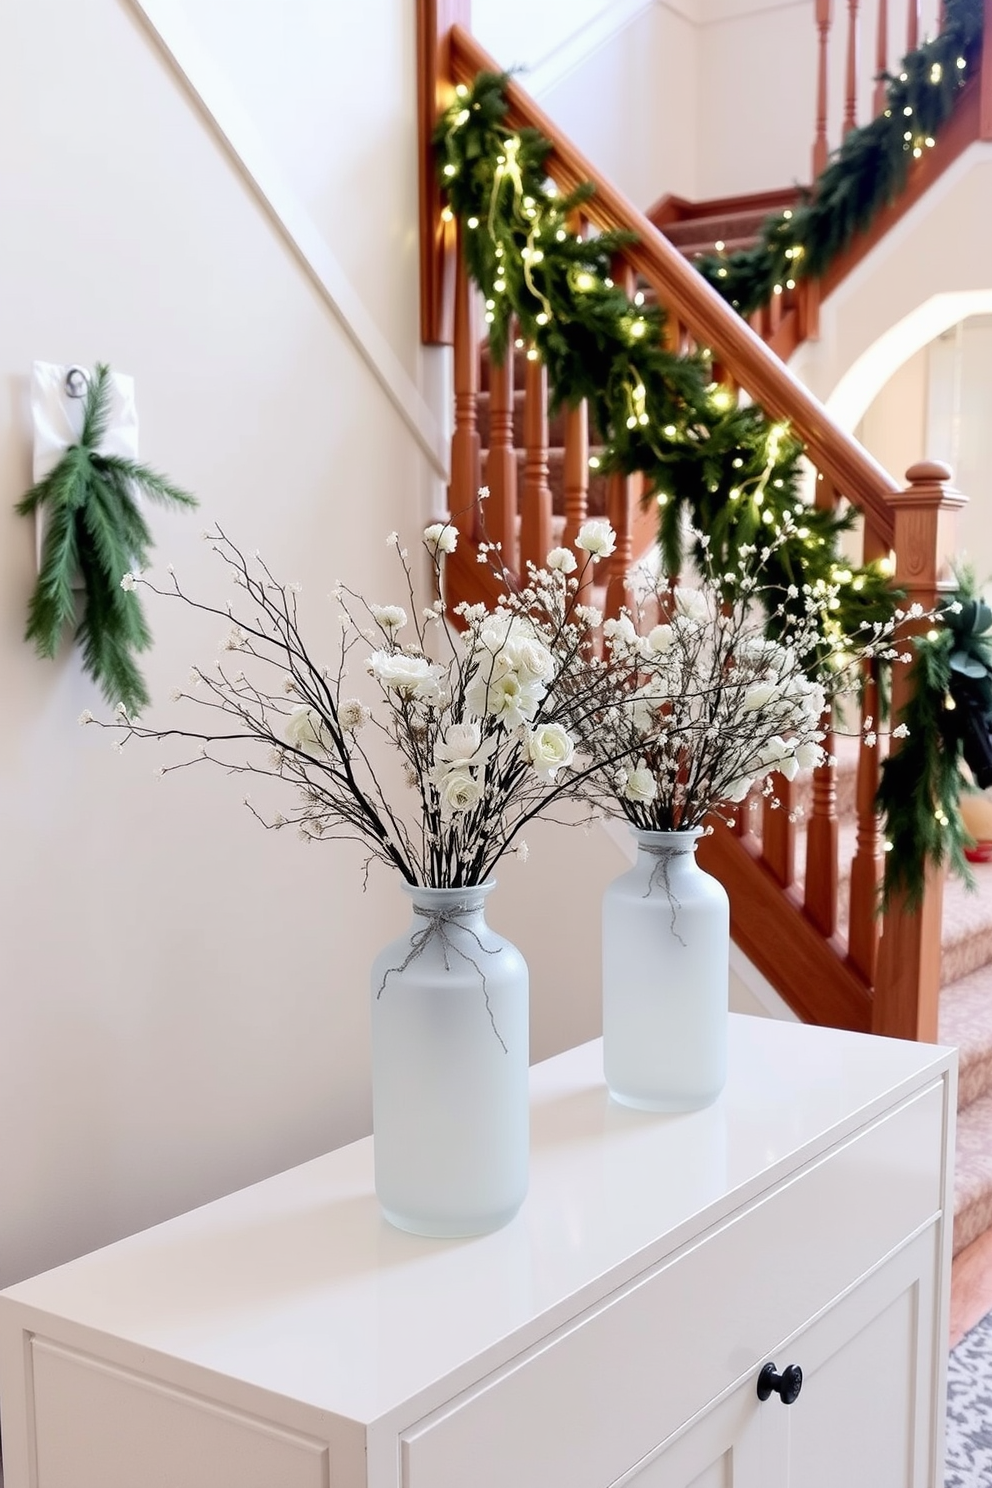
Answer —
97 530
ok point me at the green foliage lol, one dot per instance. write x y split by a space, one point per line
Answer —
867 172
921 784
725 471
96 529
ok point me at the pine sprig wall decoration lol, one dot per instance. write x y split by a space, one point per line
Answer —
710 465
96 530
864 175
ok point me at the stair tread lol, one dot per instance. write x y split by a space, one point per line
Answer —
973 1172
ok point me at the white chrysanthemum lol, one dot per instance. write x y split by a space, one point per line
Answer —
129 581
86 716
390 617
597 538
463 747
660 639
562 561
549 750
440 537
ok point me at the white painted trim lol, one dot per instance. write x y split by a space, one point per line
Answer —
716 12
576 49
166 23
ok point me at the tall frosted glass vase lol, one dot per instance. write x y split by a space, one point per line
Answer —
666 969
450 1045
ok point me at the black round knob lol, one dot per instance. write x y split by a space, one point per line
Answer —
787 1384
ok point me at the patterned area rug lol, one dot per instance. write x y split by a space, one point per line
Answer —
969 1410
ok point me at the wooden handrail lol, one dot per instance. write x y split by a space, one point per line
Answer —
684 293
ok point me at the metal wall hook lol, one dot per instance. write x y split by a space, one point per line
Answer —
77 382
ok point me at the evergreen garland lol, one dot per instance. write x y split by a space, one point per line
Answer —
864 175
949 720
724 470
95 529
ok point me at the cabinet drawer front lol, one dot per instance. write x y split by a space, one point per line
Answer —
602 1392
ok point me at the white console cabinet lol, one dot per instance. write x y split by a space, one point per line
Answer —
613 1333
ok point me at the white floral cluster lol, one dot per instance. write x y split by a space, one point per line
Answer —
708 705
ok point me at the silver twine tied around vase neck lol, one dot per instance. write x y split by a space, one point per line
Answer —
437 927
659 874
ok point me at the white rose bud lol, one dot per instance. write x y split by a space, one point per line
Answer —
390 617
550 749
641 786
305 730
459 791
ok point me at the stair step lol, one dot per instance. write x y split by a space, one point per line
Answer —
973 1173
734 230
966 1025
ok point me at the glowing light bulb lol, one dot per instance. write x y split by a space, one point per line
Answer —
790 283
584 281
542 319
907 111
721 273
961 63
662 498
787 215
461 91
472 222
532 354
593 462
463 117
637 329
499 285
447 215
776 289
451 170
561 235
632 422
639 297
670 431
719 245
929 142
936 73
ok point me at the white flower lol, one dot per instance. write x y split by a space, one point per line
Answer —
758 697
412 676
86 716
738 789
130 580
620 633
305 730
504 696
522 851
692 603
440 537
549 750
562 561
640 785
660 639
392 539
352 714
390 617
901 731
459 790
463 747
809 755
597 538
236 640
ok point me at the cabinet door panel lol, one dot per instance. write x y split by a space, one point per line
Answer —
864 1417
732 1445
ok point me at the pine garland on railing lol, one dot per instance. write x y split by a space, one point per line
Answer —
710 464
96 531
948 720
864 175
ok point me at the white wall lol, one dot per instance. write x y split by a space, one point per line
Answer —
183 1002
959 430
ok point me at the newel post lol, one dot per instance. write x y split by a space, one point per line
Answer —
908 981
435 19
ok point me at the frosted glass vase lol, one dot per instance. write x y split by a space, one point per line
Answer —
666 969
450 1044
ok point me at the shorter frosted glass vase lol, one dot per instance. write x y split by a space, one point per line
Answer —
450 1097
666 970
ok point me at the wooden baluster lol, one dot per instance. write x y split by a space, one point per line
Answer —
820 148
808 308
908 980
435 19
913 26
773 315
881 56
778 830
985 104
501 464
851 91
576 475
465 448
535 513
622 495
674 333
866 866
821 843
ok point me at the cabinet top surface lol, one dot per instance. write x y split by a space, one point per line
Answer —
299 1286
